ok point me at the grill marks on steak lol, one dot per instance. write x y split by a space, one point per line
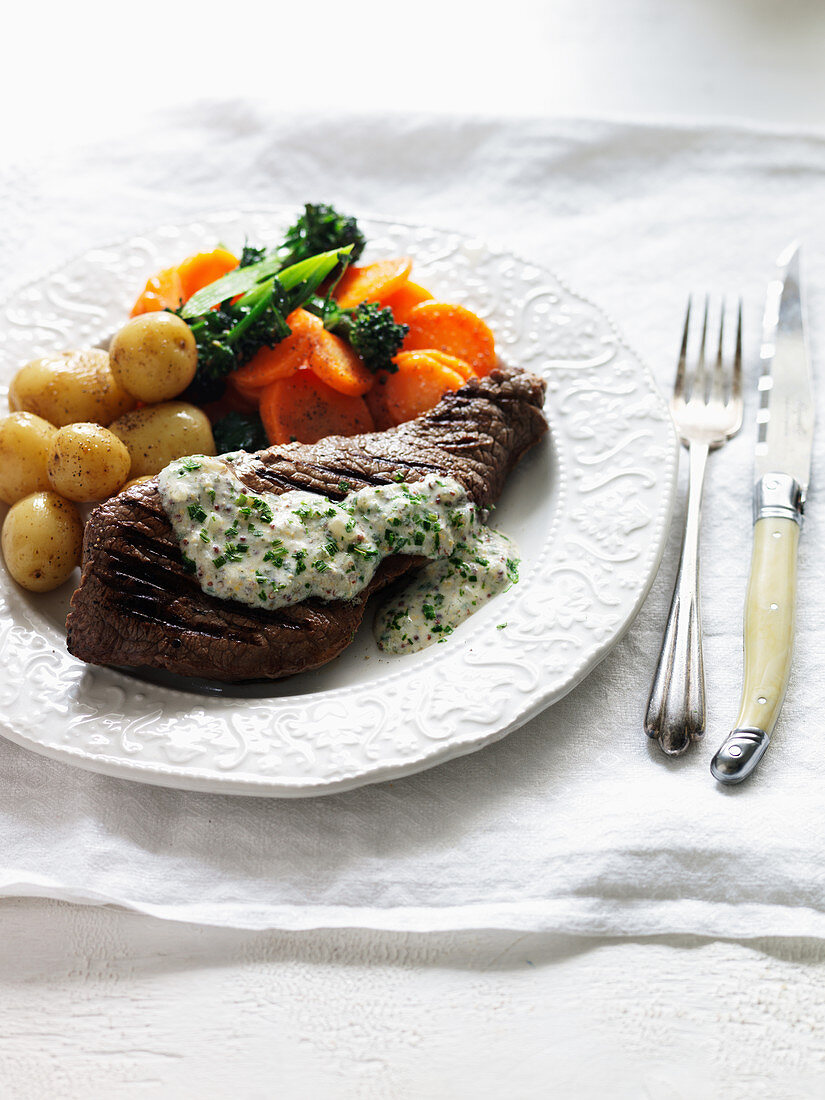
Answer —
137 607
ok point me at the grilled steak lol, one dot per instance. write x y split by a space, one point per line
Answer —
136 606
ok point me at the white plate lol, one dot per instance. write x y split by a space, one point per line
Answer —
588 508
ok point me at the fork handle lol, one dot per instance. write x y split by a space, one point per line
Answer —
676 708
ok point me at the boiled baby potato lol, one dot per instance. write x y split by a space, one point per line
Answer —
25 440
160 433
154 356
42 541
136 481
70 387
87 462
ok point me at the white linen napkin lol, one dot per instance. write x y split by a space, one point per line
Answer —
574 823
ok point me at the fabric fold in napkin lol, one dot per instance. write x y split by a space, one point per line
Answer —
574 823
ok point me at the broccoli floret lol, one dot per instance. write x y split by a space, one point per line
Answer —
251 255
228 337
262 323
320 229
239 432
374 335
216 357
370 329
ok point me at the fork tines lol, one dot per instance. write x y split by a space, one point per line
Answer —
708 382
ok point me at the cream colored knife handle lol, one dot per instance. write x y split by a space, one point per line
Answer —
769 626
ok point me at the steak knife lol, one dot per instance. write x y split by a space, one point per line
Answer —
785 426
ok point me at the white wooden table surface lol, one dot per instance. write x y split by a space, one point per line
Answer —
101 1003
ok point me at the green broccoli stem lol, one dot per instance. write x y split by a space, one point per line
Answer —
335 319
248 320
299 281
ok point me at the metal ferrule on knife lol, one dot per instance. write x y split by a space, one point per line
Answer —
779 496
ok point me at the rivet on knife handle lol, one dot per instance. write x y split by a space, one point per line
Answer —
768 640
738 757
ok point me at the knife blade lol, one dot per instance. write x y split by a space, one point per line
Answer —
785 429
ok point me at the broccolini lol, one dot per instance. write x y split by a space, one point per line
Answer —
320 229
370 329
229 336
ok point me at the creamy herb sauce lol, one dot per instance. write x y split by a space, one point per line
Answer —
271 550
446 592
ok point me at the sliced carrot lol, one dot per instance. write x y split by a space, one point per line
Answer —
454 330
302 408
169 288
376 401
405 299
335 363
419 383
309 345
250 394
285 358
460 366
372 283
199 271
162 291
231 401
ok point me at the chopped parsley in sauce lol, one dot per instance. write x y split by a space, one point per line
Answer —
270 550
446 592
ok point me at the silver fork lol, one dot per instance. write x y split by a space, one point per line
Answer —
707 410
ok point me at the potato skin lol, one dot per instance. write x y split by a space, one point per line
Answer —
136 481
70 387
25 440
87 462
158 434
154 356
42 541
